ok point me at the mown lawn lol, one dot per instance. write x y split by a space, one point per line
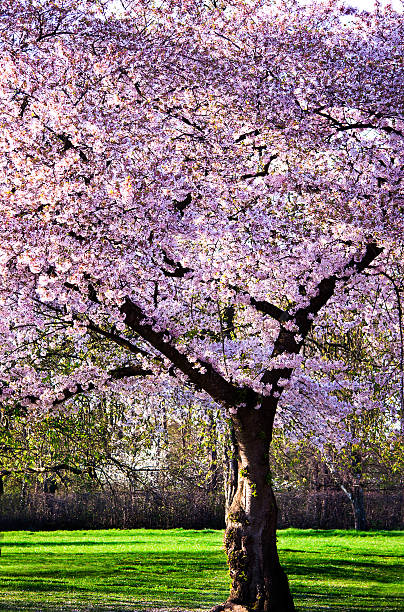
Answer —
117 570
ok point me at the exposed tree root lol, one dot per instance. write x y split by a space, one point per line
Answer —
229 606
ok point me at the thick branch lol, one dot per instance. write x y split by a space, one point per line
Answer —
179 270
326 288
201 374
286 342
270 309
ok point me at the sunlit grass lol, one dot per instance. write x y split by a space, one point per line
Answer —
116 570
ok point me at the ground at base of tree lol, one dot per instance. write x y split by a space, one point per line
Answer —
182 570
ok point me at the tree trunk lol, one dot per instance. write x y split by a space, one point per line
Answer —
358 507
230 468
355 496
356 493
258 581
212 437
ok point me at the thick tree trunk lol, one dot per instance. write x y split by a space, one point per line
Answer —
258 581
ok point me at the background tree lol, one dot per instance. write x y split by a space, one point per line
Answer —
113 465
371 361
198 188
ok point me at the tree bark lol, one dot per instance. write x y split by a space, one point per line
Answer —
258 581
356 498
358 507
230 468
356 493
212 437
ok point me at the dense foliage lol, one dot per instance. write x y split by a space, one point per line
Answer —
199 191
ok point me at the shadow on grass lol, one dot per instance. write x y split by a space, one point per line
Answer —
330 569
16 544
337 533
313 606
186 581
22 606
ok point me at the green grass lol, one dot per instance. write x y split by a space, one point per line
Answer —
118 570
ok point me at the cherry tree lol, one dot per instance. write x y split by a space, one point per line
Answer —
361 366
196 188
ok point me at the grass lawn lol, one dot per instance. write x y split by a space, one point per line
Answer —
117 570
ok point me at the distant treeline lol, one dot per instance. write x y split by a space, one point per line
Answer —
199 509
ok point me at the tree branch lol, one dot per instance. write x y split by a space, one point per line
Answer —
43 470
270 309
116 374
263 306
202 374
286 341
124 342
326 287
